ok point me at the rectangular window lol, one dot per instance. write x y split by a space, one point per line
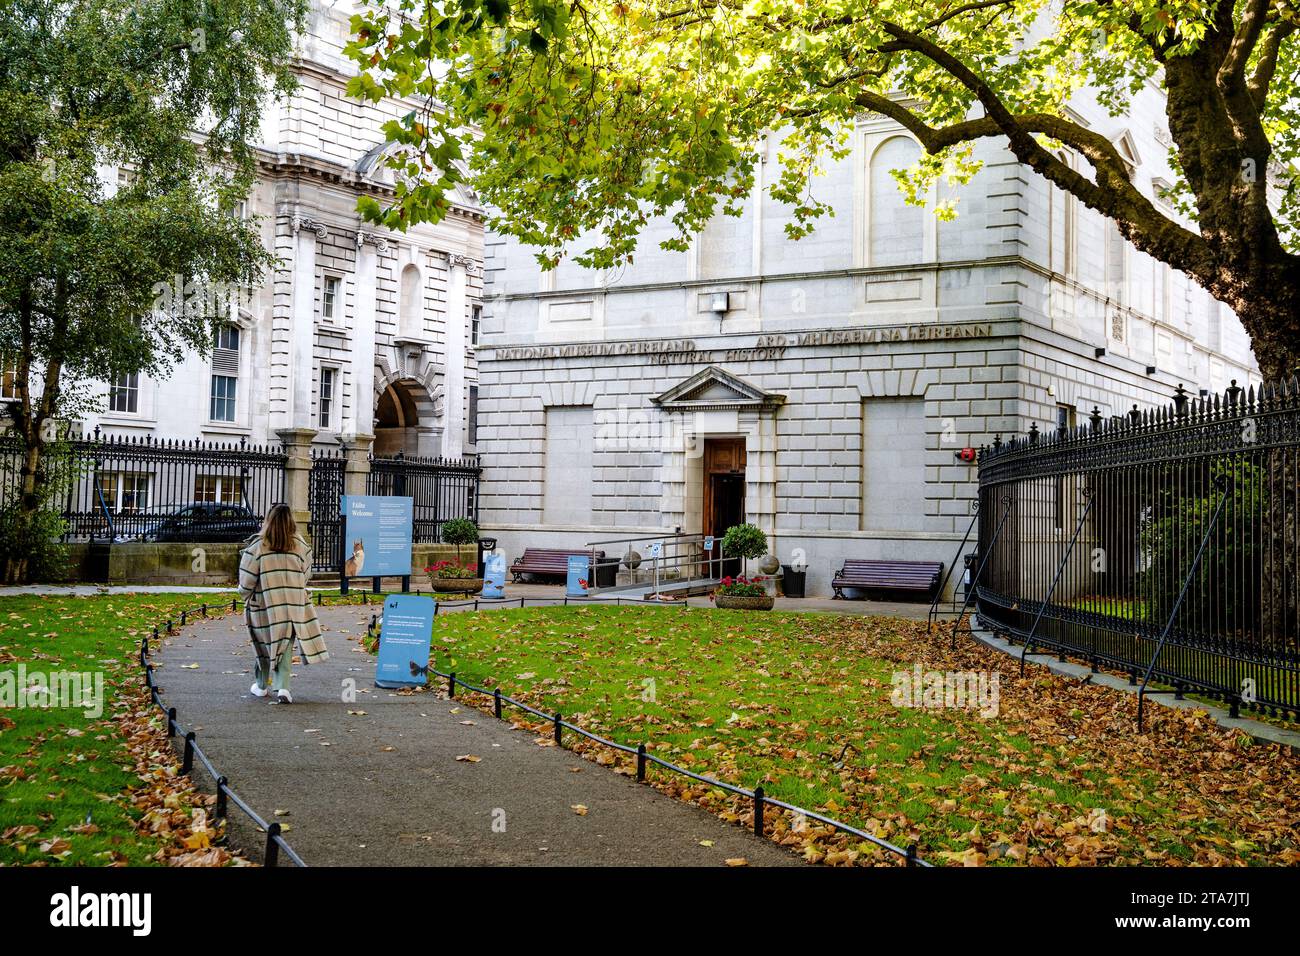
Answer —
1065 422
329 298
218 489
124 492
8 376
570 431
475 320
227 338
124 395
326 408
471 417
893 464
223 398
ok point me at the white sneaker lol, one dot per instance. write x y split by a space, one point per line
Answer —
283 697
257 690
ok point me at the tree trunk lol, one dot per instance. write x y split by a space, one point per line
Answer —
32 478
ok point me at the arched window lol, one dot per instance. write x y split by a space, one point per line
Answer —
411 308
897 235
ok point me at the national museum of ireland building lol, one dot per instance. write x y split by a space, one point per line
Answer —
824 389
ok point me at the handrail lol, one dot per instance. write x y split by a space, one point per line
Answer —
648 537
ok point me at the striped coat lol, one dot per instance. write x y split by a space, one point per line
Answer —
277 607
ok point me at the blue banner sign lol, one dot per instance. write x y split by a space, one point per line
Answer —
377 535
577 566
404 640
494 575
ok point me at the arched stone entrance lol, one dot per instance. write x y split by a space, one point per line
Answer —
404 417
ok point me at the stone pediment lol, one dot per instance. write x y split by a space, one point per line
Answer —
714 387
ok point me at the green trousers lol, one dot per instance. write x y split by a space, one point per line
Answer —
277 677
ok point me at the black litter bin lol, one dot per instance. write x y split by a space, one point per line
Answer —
968 575
606 575
792 581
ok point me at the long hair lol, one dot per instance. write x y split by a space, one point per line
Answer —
279 529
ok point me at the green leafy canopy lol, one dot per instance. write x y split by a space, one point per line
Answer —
592 117
170 91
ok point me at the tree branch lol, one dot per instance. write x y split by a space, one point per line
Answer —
1266 66
1112 195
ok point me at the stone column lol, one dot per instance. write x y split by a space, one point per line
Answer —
302 322
356 464
362 419
297 474
453 416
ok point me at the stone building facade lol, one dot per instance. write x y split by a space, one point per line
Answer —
824 389
357 332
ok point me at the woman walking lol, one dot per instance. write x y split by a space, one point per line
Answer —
273 571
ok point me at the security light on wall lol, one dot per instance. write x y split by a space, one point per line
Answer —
720 303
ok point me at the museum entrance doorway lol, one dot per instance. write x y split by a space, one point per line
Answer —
724 495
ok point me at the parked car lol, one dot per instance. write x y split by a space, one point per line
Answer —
203 521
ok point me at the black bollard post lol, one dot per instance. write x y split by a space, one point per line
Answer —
272 847
187 759
559 730
758 810
640 762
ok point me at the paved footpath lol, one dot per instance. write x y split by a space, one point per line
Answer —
386 789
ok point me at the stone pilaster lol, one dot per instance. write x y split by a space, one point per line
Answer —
453 416
297 474
363 335
303 320
356 465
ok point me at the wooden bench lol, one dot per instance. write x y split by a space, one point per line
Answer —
549 561
888 575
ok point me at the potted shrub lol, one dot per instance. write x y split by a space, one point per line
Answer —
742 593
459 531
454 576
744 541
457 575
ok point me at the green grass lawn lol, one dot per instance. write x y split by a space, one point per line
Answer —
801 703
73 787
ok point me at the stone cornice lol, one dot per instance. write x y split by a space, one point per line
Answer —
285 164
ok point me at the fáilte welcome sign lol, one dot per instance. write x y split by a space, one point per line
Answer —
377 535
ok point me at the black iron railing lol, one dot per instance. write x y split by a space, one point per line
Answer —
191 751
1164 544
324 491
132 488
442 489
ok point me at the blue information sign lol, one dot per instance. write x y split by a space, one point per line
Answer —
404 640
494 575
577 567
376 535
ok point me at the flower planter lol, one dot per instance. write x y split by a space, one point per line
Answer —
762 603
459 585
